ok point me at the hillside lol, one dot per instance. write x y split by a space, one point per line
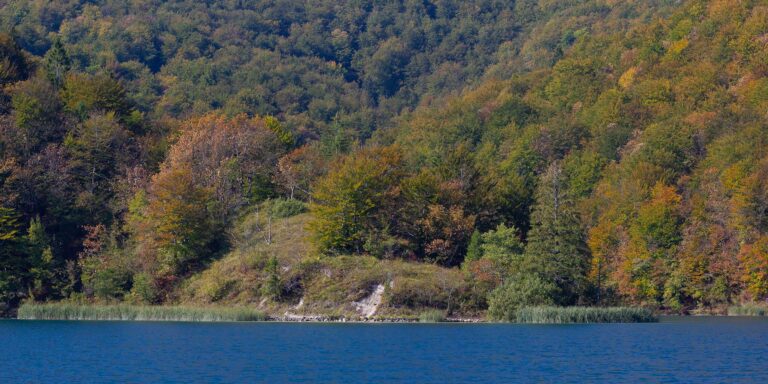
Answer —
465 156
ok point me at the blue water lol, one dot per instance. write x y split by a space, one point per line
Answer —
684 350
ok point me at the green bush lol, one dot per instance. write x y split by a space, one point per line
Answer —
111 283
282 208
144 290
519 291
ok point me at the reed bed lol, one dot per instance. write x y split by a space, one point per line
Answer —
748 310
432 316
568 315
65 311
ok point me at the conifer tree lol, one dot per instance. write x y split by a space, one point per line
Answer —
57 63
473 250
556 247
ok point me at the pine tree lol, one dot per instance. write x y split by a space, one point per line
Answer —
57 63
556 247
473 250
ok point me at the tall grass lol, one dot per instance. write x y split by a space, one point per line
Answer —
432 316
565 315
748 310
65 311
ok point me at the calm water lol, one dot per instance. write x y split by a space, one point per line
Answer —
685 350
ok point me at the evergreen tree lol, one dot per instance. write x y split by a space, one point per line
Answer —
41 260
556 248
473 250
57 63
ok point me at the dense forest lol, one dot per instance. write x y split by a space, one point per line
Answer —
470 156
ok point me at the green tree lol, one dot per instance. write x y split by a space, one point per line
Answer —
41 260
474 252
556 248
350 203
504 249
83 94
57 63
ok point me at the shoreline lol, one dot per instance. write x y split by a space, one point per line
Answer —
326 320
528 315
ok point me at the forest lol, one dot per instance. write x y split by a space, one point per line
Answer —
470 156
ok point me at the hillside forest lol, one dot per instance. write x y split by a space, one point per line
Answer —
469 156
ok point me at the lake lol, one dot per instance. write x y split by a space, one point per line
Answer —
701 350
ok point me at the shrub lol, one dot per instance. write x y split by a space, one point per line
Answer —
111 283
144 289
520 291
282 208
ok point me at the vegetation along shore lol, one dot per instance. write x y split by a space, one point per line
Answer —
523 161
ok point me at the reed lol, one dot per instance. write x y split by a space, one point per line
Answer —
567 315
752 309
66 311
432 316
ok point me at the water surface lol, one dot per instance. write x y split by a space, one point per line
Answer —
676 350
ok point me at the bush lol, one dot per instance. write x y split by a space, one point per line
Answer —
432 316
282 208
520 291
144 289
566 315
111 283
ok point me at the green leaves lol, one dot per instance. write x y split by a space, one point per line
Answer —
353 199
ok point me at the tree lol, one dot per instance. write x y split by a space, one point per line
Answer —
754 258
349 204
97 148
236 158
504 249
13 63
83 94
37 114
556 246
41 260
299 168
57 63
13 261
474 252
179 223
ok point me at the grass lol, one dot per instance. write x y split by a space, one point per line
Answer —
327 284
748 310
66 311
567 315
432 316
